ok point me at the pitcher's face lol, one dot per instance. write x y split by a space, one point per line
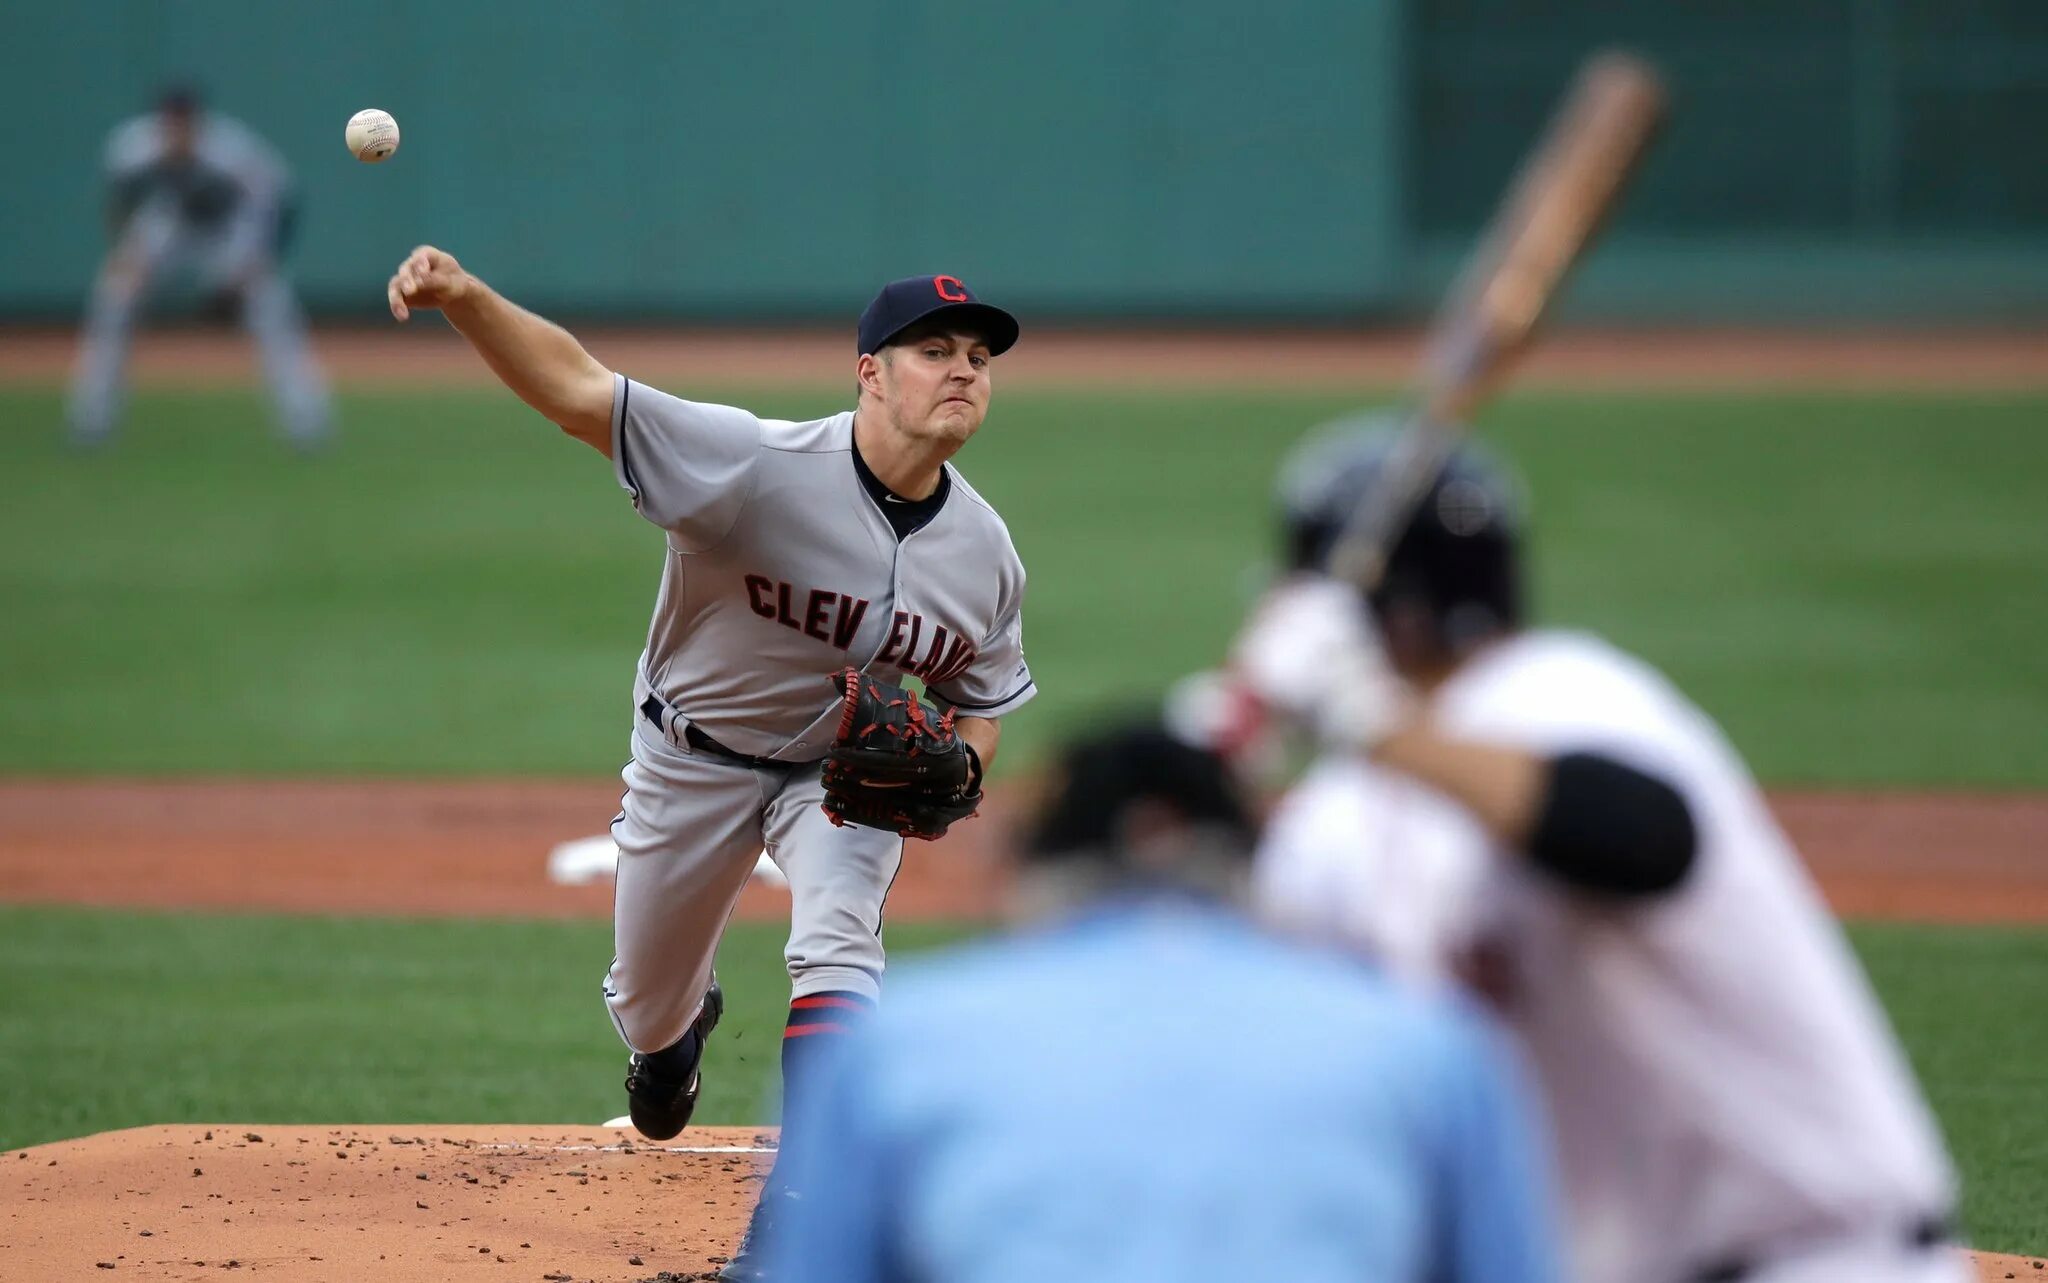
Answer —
935 386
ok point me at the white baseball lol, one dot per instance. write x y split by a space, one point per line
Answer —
372 135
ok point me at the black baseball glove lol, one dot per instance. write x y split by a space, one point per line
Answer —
897 764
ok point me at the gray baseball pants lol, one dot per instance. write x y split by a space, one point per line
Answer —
691 828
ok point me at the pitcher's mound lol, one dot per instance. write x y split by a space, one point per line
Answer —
399 1204
402 1204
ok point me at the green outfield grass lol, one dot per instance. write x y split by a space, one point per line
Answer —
1852 584
122 1019
116 1020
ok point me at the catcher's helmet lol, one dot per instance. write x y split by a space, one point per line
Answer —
1454 567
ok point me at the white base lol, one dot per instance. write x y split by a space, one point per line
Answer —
587 860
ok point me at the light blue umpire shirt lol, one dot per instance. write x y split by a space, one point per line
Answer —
1156 1090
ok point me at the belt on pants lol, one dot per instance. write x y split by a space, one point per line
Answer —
1925 1232
662 718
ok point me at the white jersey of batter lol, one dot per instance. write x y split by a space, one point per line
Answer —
782 570
1721 1080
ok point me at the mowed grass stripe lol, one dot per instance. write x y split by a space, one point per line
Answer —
121 1019
1846 582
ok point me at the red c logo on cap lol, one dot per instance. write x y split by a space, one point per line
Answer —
950 288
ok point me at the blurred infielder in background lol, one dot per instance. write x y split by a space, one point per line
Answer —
196 196
1058 1104
796 552
1549 819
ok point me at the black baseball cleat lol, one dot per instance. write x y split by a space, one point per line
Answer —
660 1100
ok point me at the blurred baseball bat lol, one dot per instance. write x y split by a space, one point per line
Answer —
1558 200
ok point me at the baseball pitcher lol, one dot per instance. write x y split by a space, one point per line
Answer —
811 569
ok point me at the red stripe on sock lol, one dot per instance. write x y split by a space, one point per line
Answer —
826 1000
804 1031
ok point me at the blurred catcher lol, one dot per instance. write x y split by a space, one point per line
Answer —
1548 819
1079 1100
196 194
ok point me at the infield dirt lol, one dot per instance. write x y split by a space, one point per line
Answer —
428 353
479 848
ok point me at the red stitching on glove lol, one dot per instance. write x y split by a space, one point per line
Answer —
850 679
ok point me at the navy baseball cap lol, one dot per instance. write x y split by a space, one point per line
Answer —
904 303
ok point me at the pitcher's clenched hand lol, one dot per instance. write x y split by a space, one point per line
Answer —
428 278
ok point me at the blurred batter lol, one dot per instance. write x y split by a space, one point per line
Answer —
1540 815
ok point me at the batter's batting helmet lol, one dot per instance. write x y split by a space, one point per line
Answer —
1455 567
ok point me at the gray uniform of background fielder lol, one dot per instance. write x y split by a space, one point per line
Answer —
781 570
213 217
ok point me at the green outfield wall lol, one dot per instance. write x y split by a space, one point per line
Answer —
1119 158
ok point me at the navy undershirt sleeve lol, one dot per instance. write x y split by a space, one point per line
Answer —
1611 828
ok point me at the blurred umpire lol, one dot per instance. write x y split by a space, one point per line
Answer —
1141 1085
195 197
1547 817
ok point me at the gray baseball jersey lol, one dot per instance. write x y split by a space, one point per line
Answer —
781 570
233 178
